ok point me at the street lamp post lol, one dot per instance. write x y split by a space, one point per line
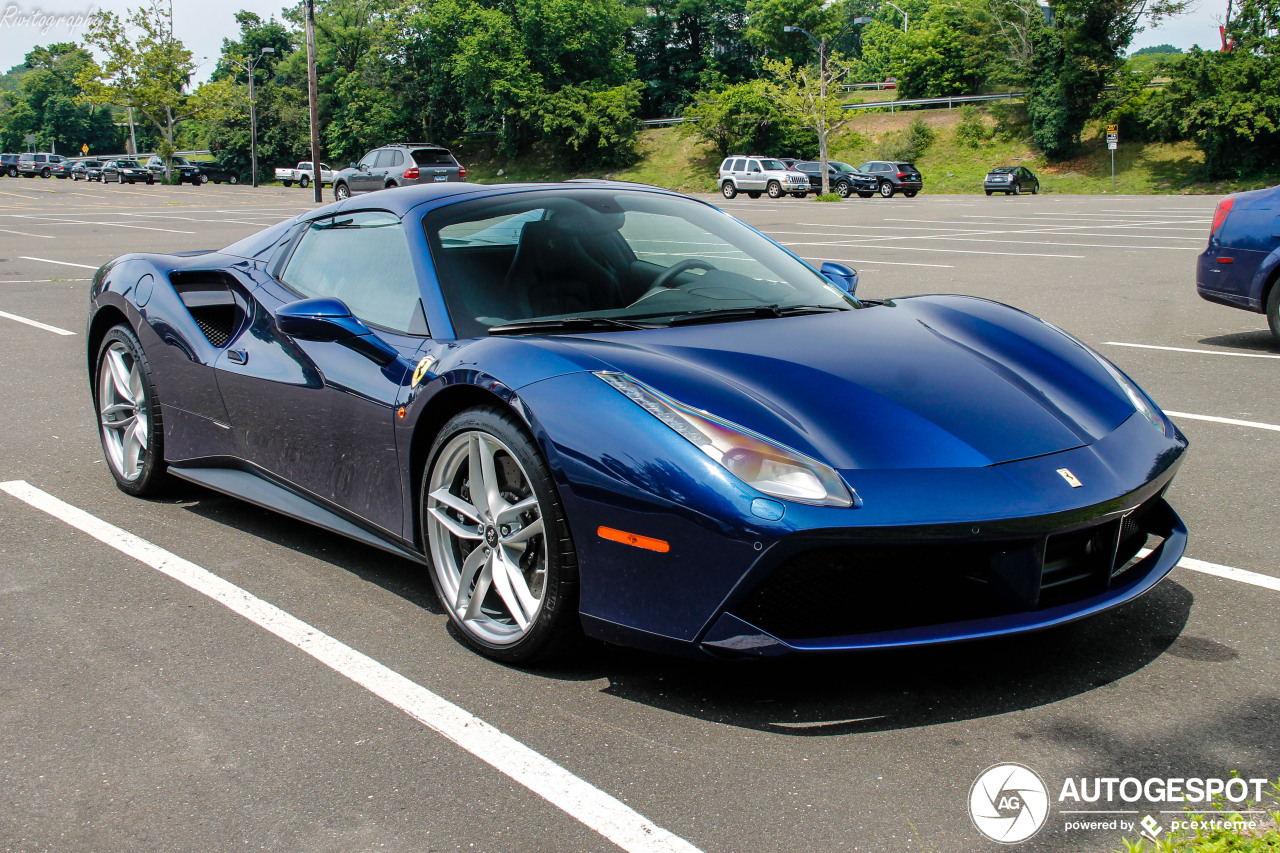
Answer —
251 64
900 9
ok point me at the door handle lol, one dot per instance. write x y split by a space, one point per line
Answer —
237 356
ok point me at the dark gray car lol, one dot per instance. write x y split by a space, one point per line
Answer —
398 165
894 176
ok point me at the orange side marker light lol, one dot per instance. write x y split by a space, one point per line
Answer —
633 539
400 413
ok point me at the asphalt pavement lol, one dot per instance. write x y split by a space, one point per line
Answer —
141 714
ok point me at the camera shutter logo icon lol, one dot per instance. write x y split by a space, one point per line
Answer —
1008 803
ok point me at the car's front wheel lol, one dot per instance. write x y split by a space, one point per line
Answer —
886 189
233 180
774 189
1273 310
844 189
502 560
1035 188
341 191
910 193
129 414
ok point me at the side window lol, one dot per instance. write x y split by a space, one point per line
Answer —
386 158
739 165
726 165
362 259
370 159
754 166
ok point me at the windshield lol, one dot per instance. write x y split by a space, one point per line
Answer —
613 254
129 164
840 167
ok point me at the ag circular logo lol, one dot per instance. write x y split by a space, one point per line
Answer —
1008 803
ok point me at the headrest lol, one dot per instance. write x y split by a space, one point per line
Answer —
586 222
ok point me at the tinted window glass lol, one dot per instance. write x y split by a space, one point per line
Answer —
386 158
370 159
362 259
739 165
433 157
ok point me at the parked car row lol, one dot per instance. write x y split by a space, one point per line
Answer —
397 165
756 175
117 170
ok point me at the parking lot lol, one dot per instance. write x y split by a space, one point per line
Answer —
141 714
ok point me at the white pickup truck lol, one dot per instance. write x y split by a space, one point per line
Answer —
303 175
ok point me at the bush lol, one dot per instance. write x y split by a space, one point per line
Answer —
908 145
743 118
593 125
972 130
1012 121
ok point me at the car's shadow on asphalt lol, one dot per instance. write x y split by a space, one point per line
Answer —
1260 342
807 696
887 690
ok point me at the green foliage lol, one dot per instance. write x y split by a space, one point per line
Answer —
1216 839
807 95
1158 50
952 51
593 125
46 104
744 118
910 144
828 197
681 46
972 130
1228 104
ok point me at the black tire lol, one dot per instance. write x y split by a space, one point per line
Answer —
287 183
887 189
753 194
152 476
910 193
865 195
728 190
45 172
303 182
774 189
204 179
233 180
1273 309
341 191
555 627
13 171
844 188
1017 189
150 181
1035 188
801 195
988 192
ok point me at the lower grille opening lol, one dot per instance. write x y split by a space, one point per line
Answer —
855 589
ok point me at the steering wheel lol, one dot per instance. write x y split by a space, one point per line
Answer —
669 274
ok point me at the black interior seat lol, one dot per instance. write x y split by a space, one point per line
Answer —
552 273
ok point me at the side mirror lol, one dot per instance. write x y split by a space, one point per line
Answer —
330 321
843 277
355 166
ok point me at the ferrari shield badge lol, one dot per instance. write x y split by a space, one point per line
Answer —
1072 479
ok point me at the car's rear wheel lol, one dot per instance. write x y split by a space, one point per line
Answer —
774 189
728 190
287 183
865 195
129 414
304 182
801 195
988 192
502 560
886 189
910 193
844 189
1017 189
233 180
341 191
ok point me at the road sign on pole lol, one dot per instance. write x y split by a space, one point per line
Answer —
1113 142
84 149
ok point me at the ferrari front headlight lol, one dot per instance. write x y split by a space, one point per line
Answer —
763 464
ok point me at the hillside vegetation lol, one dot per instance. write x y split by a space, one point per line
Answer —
669 159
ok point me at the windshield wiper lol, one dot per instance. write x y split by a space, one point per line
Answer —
566 324
716 315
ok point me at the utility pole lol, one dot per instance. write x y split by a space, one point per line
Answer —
313 96
132 136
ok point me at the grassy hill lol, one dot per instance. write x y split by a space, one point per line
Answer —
668 159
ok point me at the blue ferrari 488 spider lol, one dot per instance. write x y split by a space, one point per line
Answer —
610 409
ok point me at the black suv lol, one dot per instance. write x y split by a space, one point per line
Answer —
841 177
397 165
894 176
9 165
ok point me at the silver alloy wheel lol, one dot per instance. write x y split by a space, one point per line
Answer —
485 531
122 411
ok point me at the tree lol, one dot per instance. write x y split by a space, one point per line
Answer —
45 105
804 92
684 46
147 68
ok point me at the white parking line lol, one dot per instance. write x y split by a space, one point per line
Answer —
1185 349
51 261
25 234
886 263
859 245
1230 573
1218 420
35 323
616 821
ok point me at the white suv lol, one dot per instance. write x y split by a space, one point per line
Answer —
753 174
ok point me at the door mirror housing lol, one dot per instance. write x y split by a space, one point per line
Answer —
329 320
843 277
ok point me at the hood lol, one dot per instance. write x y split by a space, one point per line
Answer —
925 382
